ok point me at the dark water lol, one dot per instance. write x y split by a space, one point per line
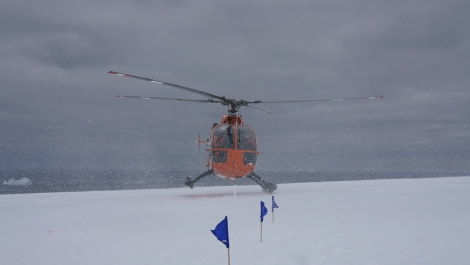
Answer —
94 180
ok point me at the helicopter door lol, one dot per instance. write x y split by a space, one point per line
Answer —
247 141
222 138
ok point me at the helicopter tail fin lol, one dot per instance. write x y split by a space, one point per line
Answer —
199 141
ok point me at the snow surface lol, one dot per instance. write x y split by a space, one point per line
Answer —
405 221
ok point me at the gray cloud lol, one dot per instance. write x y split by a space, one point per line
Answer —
57 105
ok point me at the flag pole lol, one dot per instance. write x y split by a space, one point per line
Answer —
228 255
272 212
261 232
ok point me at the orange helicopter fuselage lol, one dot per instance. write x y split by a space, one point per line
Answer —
232 148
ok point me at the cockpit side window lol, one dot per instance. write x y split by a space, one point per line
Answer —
246 139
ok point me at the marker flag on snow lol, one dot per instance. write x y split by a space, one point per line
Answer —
221 232
264 210
274 204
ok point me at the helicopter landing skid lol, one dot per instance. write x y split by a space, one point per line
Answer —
190 182
266 186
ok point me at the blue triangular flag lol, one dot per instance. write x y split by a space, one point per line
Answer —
264 210
274 204
221 232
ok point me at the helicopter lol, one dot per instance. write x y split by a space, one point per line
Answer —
232 146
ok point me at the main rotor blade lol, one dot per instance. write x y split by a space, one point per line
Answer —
199 92
260 109
316 100
176 99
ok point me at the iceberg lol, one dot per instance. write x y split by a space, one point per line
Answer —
19 182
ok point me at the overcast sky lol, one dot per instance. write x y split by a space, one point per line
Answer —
58 110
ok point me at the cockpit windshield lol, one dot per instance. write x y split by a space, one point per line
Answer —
234 137
223 137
